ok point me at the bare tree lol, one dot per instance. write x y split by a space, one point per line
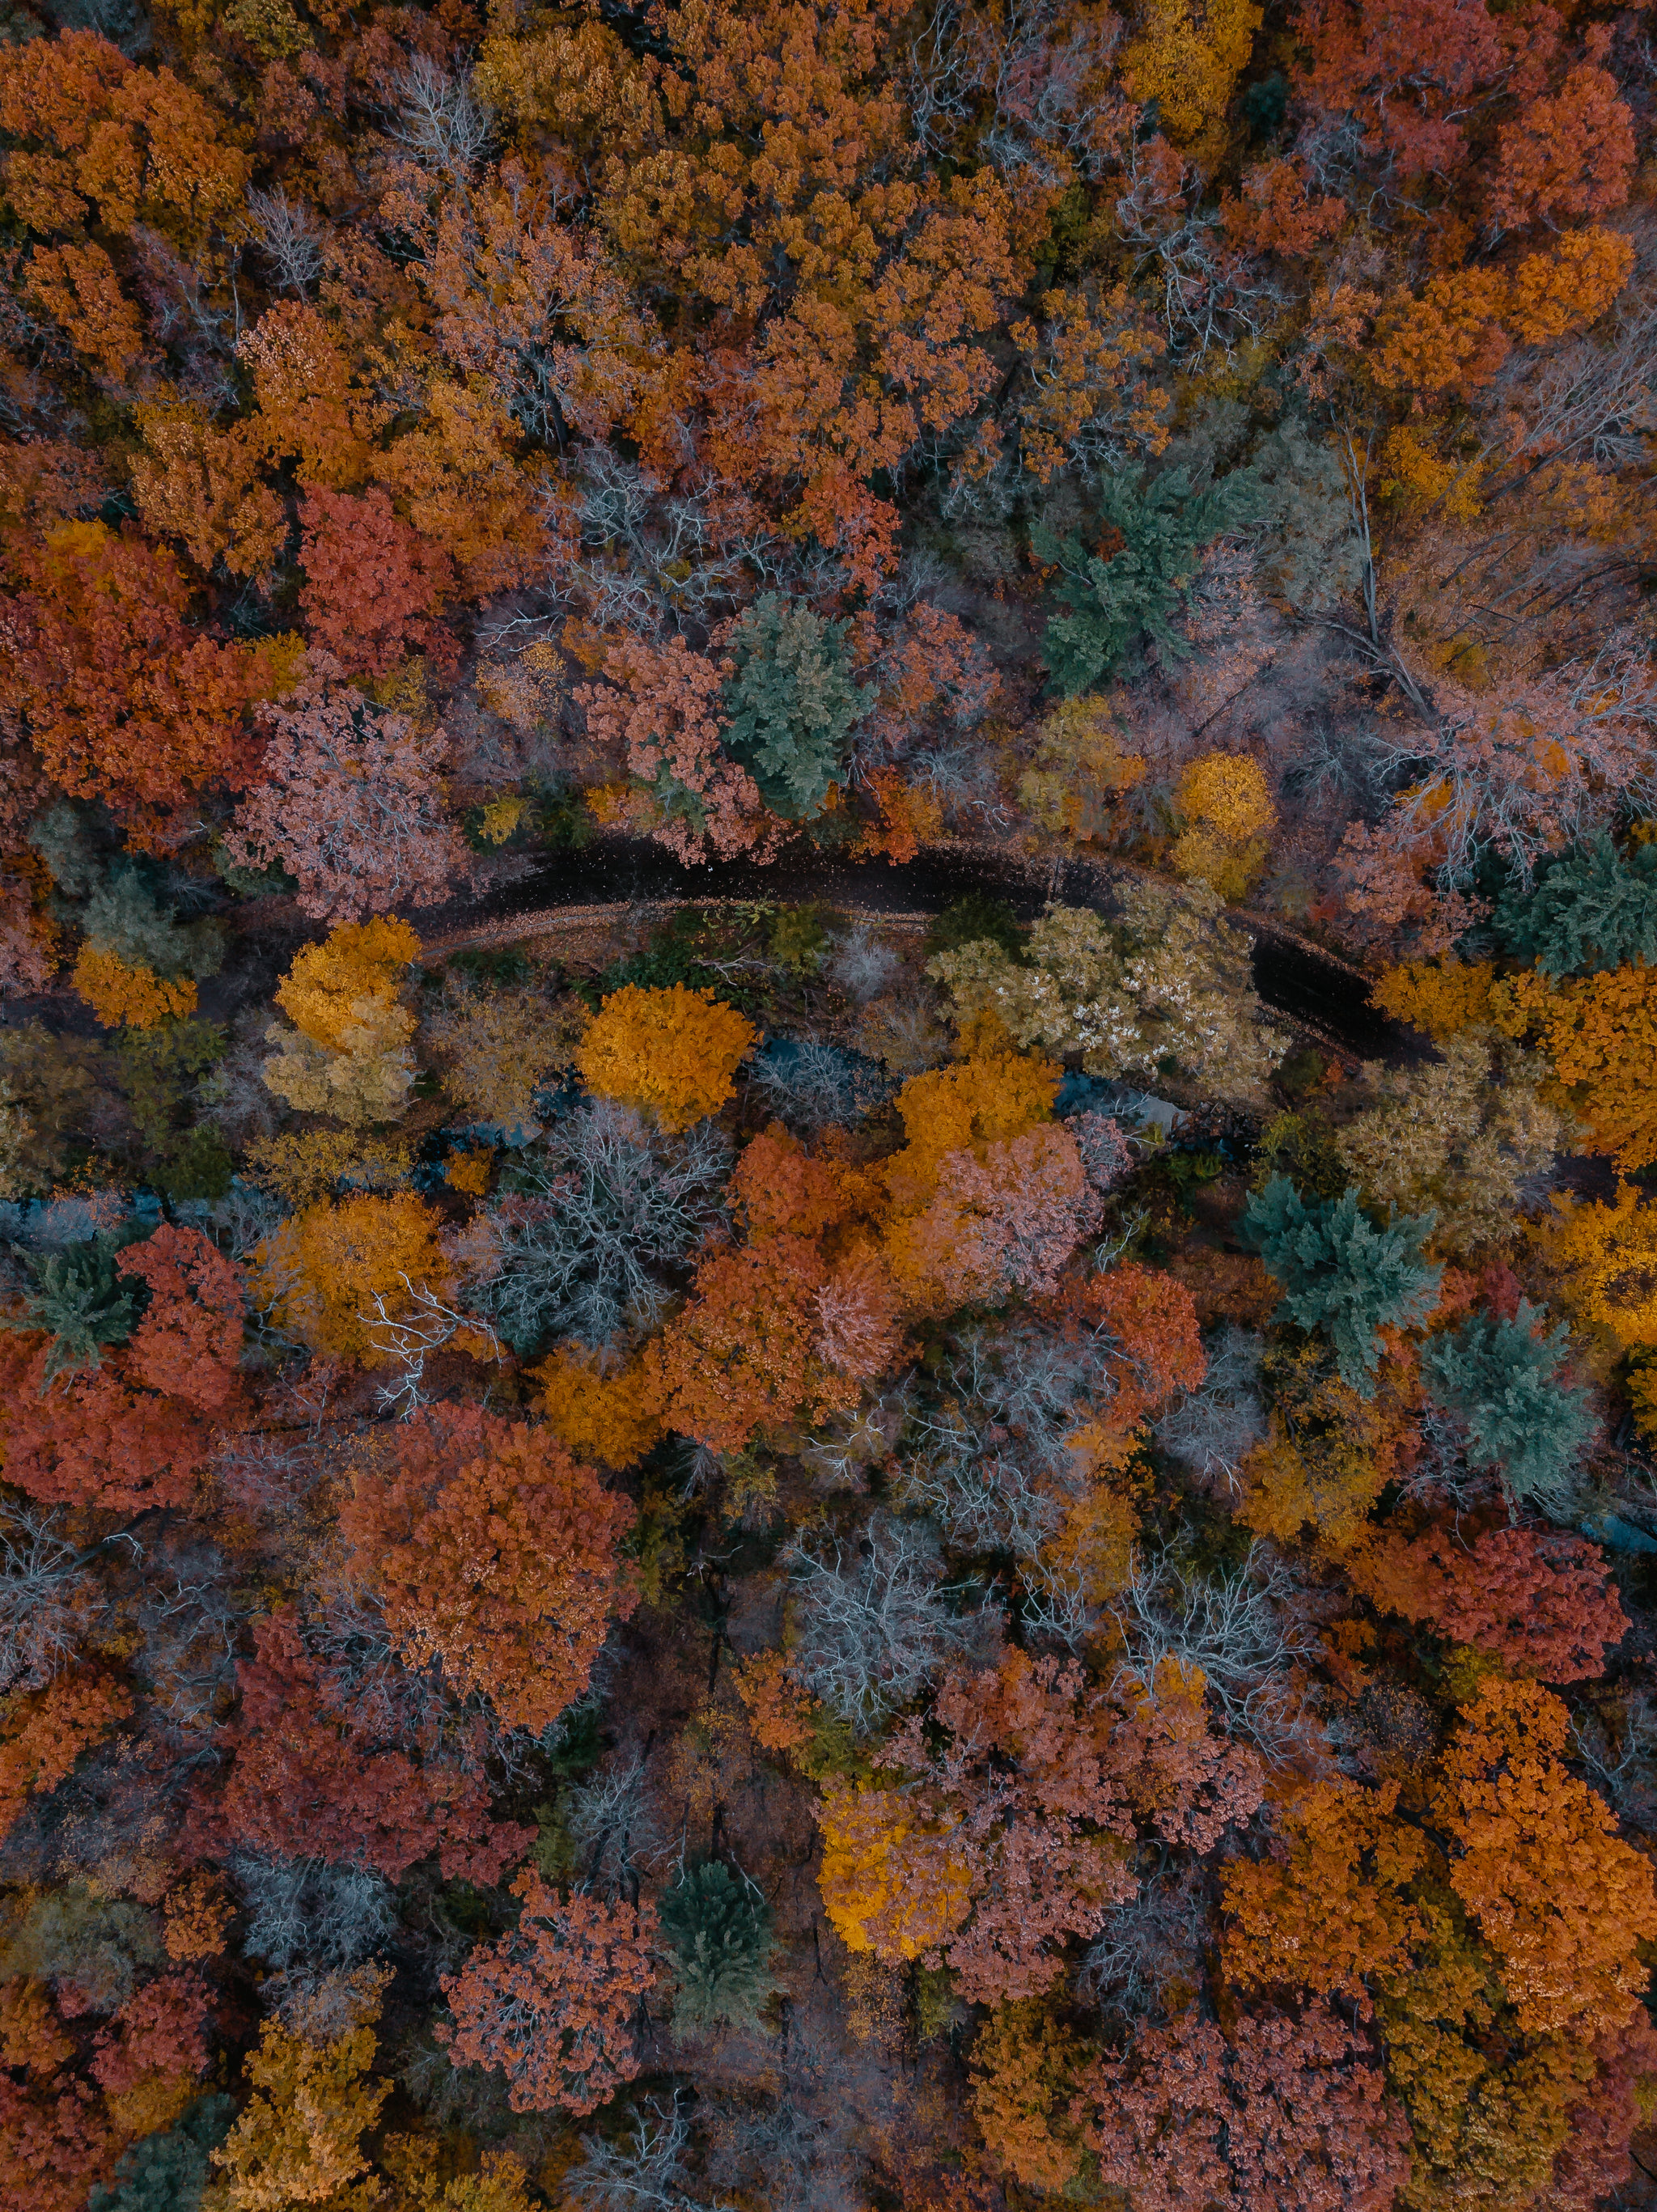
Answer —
1148 1946
306 1914
647 2171
438 120
612 1823
48 1600
408 1331
290 239
1621 1757
874 1621
602 1209
1209 1428
1243 1632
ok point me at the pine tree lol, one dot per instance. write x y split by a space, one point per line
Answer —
1590 910
1502 1378
791 702
721 1931
82 1300
1134 593
1340 1272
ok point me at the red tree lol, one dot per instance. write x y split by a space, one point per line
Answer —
1283 2116
308 1779
140 1428
160 2029
549 2004
1543 1603
122 701
372 583
1567 154
348 801
495 1553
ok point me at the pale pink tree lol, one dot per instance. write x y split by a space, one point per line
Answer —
1006 1222
1526 768
350 803
662 705
1286 2115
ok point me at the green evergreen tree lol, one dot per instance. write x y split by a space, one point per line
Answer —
1591 910
792 703
1136 591
1342 1274
123 916
167 2172
1502 1379
722 1933
82 1301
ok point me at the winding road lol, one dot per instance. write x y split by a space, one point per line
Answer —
1325 997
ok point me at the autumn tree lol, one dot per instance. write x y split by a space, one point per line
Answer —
1535 1858
310 1776
100 138
494 1552
550 2004
1542 1601
321 1272
122 700
1604 1255
1025 2064
1273 2115
142 1426
347 1054
348 802
1460 1135
747 1354
598 1409
201 484
672 1052
299 2140
1002 1222
1599 1033
661 707
132 998
43 1733
373 584
1225 810
1327 1909
1170 980
993 1850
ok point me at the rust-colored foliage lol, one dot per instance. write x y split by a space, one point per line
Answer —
311 1777
1275 2115
44 1732
747 1354
1558 1897
494 1552
140 1428
551 2004
372 583
121 698
1542 1601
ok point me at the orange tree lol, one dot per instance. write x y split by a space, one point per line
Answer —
494 1552
674 1052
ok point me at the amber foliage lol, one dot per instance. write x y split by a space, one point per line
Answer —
672 1052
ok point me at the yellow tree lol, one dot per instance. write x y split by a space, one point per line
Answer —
673 1054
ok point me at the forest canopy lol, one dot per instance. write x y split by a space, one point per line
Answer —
827 1544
